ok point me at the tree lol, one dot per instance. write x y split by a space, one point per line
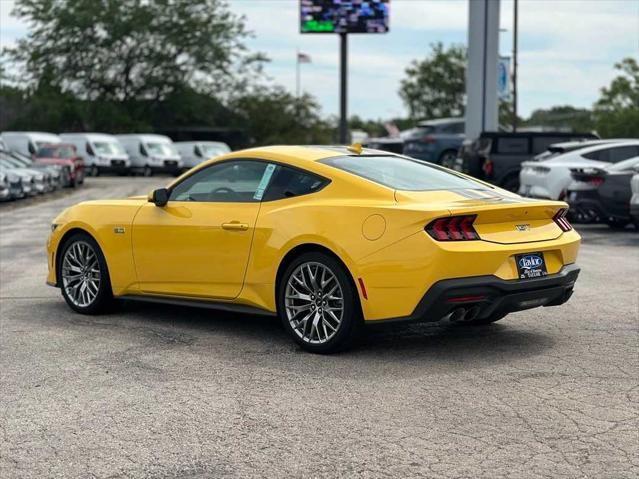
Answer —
435 86
271 115
617 110
124 50
563 117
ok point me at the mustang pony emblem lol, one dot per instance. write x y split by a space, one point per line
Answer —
524 227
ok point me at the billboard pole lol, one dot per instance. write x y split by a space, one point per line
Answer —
343 84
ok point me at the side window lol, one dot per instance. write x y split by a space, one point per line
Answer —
143 151
599 155
512 145
288 182
454 128
90 151
623 153
240 181
197 151
31 147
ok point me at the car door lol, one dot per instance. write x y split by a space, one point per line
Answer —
199 243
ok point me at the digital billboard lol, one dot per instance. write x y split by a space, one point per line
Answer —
344 16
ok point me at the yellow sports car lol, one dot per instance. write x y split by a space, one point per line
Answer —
328 238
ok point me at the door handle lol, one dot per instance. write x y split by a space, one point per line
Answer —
235 226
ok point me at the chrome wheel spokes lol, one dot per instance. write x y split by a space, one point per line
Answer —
81 274
314 302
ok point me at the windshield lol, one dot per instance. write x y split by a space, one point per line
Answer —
402 173
209 151
56 152
161 149
107 148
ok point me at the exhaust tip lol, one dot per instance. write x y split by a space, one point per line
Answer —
457 314
472 313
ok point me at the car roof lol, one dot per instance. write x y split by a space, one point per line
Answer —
142 136
305 153
604 146
90 136
440 121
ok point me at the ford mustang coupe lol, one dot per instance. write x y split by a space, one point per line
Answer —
328 238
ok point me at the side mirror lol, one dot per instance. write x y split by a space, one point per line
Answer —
159 197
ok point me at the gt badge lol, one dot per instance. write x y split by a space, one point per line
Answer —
118 230
524 227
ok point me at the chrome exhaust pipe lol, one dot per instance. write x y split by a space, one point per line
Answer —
457 314
472 313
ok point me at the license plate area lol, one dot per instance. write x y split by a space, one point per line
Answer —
530 265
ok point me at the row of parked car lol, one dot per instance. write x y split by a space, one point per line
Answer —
593 175
34 163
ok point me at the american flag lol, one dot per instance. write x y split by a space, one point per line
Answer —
303 58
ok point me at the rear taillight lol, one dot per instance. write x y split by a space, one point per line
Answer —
429 139
453 228
596 180
488 168
561 220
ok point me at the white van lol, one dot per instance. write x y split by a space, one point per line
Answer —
151 153
101 153
195 152
28 142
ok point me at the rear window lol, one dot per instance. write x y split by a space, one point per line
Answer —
402 173
512 145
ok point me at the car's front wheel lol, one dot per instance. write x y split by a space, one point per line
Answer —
84 277
318 303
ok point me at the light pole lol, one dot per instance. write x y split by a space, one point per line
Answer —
515 26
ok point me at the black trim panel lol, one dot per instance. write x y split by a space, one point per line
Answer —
199 303
497 295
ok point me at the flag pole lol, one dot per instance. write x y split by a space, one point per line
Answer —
297 74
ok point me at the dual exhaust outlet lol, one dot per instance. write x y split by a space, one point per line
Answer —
464 314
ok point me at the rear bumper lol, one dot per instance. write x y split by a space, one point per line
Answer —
493 296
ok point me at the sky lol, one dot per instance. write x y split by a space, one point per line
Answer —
567 49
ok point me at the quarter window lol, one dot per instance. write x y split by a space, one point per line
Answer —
289 182
242 181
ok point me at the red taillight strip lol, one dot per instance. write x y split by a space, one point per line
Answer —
453 228
465 299
561 220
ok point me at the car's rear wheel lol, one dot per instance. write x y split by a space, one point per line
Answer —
84 277
318 303
447 158
617 224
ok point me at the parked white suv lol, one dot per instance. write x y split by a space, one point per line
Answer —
550 179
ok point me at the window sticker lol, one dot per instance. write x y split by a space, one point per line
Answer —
266 177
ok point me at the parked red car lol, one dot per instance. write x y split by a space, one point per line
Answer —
65 155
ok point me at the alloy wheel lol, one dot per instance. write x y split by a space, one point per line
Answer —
81 274
314 303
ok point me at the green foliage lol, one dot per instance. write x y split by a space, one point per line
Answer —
617 110
563 117
273 115
121 50
435 86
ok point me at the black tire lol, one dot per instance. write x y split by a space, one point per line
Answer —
447 158
351 316
617 224
511 184
103 300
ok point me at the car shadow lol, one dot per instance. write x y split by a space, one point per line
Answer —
396 349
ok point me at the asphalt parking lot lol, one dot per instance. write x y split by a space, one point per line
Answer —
168 392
